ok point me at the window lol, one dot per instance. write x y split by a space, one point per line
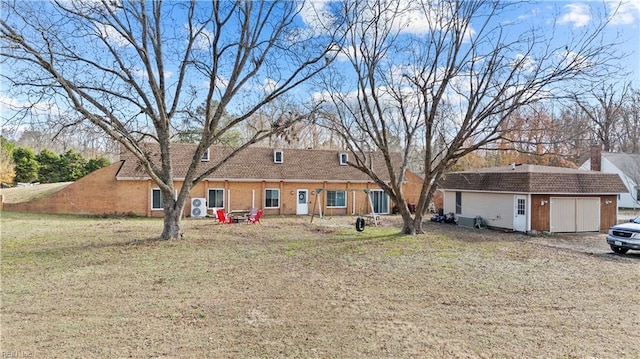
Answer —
343 159
521 206
272 198
277 156
156 199
215 198
380 201
458 202
337 199
205 156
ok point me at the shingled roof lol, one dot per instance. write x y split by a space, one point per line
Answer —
534 179
628 163
256 163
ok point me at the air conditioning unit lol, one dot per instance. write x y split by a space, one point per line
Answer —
198 207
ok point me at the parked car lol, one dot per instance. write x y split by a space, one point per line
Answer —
625 236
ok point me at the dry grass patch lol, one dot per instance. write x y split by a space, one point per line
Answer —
83 287
28 193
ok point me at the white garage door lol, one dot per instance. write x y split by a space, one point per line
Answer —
587 214
575 214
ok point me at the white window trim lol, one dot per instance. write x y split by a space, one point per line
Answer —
223 198
175 197
161 208
205 156
279 197
327 199
341 156
275 152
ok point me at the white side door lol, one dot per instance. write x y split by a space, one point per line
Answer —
302 206
520 213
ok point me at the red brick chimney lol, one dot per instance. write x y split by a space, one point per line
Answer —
596 157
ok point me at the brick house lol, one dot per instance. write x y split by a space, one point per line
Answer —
531 198
280 181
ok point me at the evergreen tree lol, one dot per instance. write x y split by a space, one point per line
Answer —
73 165
26 164
96 163
50 170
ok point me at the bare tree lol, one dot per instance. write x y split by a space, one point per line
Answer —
574 133
533 135
136 68
441 77
630 124
604 106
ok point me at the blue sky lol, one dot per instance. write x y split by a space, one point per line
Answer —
559 19
623 27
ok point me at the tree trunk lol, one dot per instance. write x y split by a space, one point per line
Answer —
171 229
411 225
417 222
408 226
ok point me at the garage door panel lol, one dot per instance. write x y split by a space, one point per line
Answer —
575 214
563 214
587 214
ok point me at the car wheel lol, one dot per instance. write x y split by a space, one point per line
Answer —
619 250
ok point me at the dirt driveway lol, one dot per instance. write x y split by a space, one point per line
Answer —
589 243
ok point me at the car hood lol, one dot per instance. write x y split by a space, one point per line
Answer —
631 227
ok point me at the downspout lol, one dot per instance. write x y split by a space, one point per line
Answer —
353 203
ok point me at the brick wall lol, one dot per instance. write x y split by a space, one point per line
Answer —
99 193
92 194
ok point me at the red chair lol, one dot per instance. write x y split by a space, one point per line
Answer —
255 219
223 218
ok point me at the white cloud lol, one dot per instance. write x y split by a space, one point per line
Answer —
317 15
412 17
575 61
111 35
203 40
9 102
143 74
626 13
269 85
38 108
578 15
524 63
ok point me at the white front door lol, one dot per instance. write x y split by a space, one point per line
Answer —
520 213
302 206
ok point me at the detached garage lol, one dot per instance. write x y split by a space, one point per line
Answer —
574 214
531 198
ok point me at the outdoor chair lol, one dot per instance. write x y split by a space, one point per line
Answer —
255 218
222 217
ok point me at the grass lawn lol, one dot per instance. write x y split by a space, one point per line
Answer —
76 287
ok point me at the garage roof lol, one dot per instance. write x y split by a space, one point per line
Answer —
525 178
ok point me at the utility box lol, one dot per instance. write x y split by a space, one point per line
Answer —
466 222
